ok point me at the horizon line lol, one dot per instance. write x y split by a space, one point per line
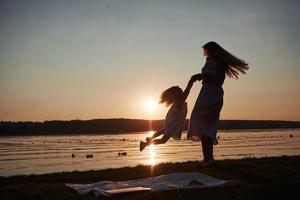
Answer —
121 118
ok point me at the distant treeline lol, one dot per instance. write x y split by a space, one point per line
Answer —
111 126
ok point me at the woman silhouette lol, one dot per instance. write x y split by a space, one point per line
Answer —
206 112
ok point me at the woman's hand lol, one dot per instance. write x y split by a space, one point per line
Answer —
196 77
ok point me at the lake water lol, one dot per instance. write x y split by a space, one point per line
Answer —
45 154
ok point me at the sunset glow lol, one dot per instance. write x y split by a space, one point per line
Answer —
130 98
150 105
88 60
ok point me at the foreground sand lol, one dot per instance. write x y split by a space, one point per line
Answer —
263 178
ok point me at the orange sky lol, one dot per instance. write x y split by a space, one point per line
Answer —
87 60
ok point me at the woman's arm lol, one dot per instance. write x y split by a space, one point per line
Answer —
197 77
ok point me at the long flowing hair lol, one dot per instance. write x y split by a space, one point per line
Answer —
233 65
170 95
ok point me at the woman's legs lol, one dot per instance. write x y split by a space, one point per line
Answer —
207 142
207 148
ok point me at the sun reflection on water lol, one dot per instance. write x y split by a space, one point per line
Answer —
152 161
150 133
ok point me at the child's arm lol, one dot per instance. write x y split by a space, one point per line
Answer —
187 90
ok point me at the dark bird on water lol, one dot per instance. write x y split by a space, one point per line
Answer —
89 156
122 153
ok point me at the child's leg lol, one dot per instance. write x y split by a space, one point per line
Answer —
150 140
156 134
162 140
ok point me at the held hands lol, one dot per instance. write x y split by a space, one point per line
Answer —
196 77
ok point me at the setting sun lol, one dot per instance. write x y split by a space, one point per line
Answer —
150 105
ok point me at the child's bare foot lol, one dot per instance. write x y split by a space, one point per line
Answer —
142 145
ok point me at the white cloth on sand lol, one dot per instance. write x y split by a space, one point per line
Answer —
157 183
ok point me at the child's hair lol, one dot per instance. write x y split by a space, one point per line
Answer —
170 95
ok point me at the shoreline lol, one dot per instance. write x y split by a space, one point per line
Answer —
142 132
249 157
121 125
259 178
